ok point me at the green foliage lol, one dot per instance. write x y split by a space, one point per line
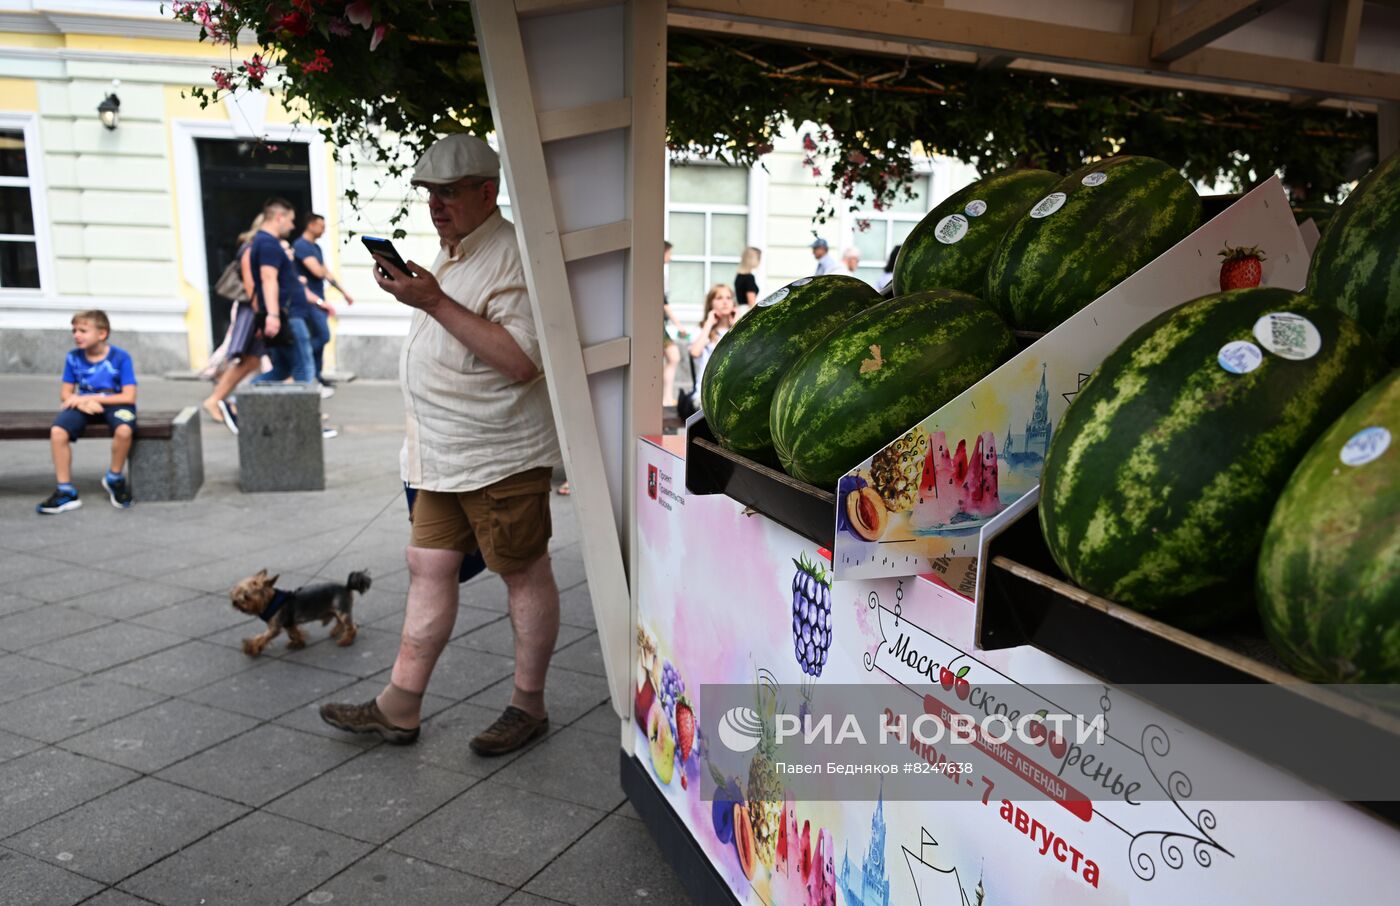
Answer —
387 77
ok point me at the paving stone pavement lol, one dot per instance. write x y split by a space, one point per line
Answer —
145 759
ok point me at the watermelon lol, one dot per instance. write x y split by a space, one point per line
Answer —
747 363
871 378
1329 572
1356 265
1097 227
1163 472
952 246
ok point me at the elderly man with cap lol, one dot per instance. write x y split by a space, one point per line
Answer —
479 450
825 263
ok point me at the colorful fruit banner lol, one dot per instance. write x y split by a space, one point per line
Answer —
725 596
922 503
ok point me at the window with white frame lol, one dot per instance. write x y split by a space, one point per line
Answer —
707 223
876 233
20 223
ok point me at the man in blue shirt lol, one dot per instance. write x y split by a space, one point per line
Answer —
99 385
280 298
312 263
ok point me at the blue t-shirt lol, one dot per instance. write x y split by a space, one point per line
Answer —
304 249
291 295
110 375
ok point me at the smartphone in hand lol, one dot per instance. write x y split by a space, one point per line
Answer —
385 249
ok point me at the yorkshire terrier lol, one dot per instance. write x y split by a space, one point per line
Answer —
287 610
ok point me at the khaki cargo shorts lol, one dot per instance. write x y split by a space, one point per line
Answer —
507 521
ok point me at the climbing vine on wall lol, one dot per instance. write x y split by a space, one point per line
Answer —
385 77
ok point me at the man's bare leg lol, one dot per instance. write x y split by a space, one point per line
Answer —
427 627
534 614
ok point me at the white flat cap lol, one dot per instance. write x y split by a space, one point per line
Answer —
456 157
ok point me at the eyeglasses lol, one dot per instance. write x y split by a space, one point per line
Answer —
450 192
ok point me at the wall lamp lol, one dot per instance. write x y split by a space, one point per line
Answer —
109 111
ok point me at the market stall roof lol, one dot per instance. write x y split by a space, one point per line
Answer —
1311 51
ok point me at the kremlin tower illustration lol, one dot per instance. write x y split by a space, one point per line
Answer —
1029 449
870 885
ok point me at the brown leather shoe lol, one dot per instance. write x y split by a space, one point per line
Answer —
367 718
513 729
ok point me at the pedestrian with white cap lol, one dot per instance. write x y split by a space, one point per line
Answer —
479 450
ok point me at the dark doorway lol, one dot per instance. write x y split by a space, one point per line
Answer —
235 178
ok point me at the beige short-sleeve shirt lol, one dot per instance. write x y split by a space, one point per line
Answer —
468 425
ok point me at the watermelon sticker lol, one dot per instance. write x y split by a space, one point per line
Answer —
1096 178
777 297
975 208
1239 357
951 228
1048 205
1365 446
1288 335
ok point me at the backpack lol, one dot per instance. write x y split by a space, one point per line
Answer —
230 282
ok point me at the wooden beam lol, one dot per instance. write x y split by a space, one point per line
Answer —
1343 32
529 9
778 34
607 355
995 61
1305 76
598 240
1148 14
907 23
1202 23
1176 83
571 122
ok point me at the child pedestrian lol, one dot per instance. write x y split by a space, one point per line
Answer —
99 385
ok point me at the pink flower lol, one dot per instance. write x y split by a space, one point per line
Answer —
256 68
205 17
816 171
339 27
321 62
294 23
359 13
223 79
377 37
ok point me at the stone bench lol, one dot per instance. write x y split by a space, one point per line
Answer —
280 447
167 457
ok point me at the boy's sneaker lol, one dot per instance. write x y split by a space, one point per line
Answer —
59 501
327 391
119 489
328 432
230 417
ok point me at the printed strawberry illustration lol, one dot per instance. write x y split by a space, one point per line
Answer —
685 728
1242 267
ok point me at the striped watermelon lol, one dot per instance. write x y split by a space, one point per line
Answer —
1099 226
736 390
1356 265
1164 470
1329 572
952 246
871 378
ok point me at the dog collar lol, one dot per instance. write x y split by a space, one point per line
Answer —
279 597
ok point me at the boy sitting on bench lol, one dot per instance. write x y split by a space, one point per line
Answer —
99 385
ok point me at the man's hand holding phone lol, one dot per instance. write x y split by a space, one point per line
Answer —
408 281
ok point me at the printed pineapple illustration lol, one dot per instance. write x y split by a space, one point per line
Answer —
896 471
765 791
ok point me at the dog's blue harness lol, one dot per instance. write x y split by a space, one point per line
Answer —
279 597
